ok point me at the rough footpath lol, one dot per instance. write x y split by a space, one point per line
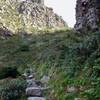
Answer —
35 89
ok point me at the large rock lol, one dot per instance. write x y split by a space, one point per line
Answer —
5 32
31 83
87 15
38 1
36 98
45 79
71 89
34 91
76 98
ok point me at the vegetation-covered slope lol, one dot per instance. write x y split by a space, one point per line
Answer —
70 60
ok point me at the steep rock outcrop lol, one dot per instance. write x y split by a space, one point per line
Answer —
4 32
42 16
87 15
28 15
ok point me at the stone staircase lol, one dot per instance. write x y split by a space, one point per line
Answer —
35 88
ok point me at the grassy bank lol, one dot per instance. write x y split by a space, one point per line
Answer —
69 58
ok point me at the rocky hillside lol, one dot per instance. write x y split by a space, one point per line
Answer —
28 15
87 15
70 62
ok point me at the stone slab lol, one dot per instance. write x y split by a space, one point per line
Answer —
36 98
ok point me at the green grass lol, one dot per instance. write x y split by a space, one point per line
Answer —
67 57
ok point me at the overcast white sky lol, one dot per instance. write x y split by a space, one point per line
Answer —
64 8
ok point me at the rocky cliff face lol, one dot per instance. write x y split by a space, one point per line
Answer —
28 15
42 16
87 15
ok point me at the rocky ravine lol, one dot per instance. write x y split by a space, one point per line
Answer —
28 15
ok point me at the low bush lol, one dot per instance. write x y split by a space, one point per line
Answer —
24 47
12 89
8 72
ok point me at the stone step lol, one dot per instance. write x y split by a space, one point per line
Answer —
34 91
34 83
31 83
30 77
36 98
37 88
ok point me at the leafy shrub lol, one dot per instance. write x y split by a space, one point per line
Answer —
24 47
93 93
8 72
12 89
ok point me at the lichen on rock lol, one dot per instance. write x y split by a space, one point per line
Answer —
28 16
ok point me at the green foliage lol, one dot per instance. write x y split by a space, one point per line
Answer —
94 92
8 72
67 57
24 47
12 89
